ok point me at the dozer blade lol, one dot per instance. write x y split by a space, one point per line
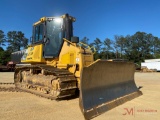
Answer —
105 85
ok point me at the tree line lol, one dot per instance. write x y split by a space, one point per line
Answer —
12 41
136 47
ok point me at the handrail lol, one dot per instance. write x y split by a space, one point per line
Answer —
90 48
94 49
69 41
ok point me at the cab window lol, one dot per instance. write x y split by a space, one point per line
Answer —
38 33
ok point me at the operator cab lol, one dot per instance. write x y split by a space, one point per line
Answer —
50 32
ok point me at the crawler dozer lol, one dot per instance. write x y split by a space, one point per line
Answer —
56 65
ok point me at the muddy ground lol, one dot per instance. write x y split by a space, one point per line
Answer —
25 106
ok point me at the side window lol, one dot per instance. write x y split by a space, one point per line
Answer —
38 33
41 32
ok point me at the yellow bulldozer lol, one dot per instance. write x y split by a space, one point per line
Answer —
56 65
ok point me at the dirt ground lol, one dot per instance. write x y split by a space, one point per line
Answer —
25 106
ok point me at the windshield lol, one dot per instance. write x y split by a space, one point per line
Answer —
54 35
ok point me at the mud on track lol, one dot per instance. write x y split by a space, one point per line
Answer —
20 105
